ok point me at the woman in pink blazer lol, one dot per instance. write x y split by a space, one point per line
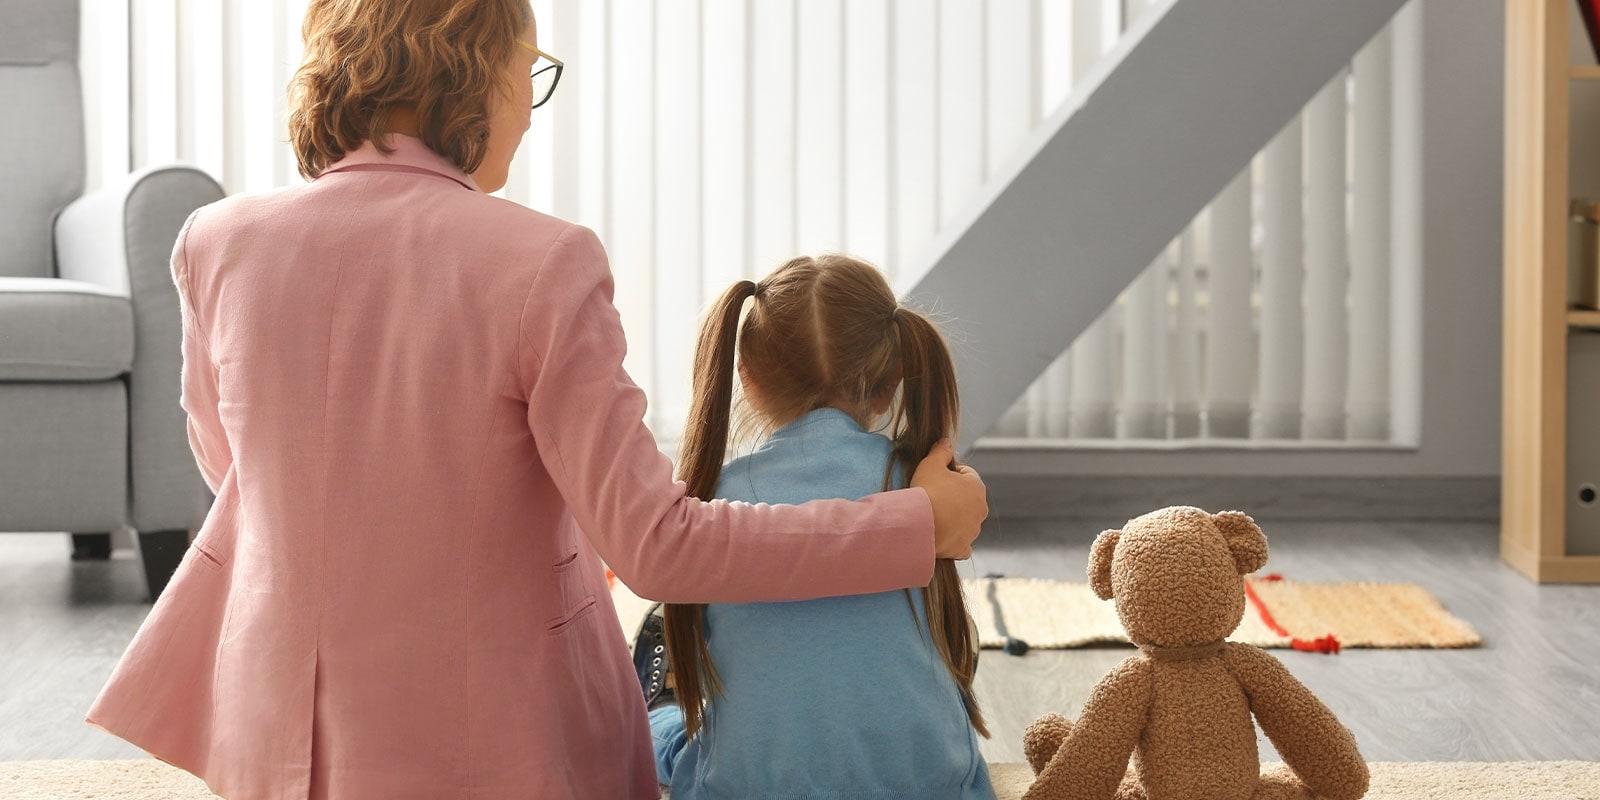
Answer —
408 397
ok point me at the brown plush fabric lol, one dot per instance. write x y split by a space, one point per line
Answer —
1182 707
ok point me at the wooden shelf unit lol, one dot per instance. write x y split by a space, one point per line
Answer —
1539 76
1583 318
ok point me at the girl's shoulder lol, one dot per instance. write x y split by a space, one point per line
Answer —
817 462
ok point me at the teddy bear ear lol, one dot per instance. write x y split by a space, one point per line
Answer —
1105 545
1245 540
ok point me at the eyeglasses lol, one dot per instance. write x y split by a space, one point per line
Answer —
544 80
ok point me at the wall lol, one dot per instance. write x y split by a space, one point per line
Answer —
1447 370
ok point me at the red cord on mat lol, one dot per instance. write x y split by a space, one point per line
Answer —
1327 644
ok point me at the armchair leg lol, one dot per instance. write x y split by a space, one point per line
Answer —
161 551
91 546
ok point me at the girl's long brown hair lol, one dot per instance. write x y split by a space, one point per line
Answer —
823 332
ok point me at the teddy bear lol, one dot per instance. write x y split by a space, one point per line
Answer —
1181 707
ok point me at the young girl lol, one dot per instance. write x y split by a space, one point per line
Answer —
862 697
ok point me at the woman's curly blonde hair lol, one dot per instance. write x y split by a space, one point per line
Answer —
365 57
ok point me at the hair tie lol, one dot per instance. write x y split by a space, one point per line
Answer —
760 289
894 316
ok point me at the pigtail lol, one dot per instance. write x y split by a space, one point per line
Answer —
929 410
705 435
705 445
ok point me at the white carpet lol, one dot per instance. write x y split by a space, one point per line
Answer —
1515 780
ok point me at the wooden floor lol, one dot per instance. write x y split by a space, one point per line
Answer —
1531 692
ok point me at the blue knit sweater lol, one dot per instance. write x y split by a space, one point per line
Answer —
842 697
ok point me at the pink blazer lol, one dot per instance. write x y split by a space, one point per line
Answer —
409 399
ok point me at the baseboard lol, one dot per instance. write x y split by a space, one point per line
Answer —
1266 497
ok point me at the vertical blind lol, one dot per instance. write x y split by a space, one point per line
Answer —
710 140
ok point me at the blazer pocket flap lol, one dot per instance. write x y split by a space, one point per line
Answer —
207 554
567 559
561 623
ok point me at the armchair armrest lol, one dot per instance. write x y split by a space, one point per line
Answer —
121 237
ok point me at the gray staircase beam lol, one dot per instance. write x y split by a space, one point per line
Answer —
1142 144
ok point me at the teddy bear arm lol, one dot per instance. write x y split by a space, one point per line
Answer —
1093 757
1305 732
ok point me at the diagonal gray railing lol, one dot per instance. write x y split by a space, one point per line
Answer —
1146 139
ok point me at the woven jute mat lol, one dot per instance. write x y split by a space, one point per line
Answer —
1279 613
149 779
1363 614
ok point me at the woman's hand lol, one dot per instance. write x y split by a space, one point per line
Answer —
960 502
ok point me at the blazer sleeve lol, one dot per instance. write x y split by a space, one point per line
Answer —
587 419
199 396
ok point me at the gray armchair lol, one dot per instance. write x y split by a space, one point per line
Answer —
92 438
